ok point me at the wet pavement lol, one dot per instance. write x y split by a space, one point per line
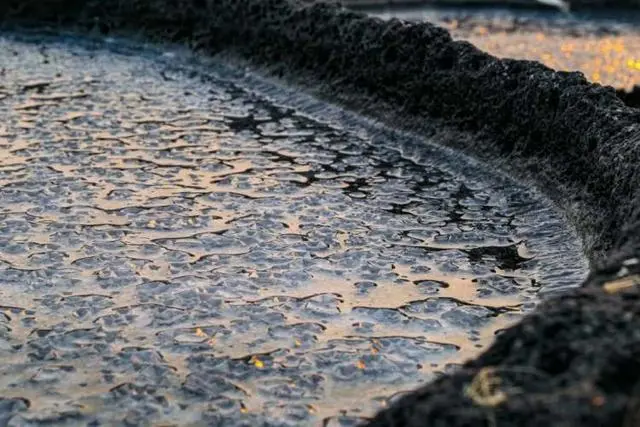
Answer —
606 50
177 247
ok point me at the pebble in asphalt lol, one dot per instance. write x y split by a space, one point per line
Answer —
176 248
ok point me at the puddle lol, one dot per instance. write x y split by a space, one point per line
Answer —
176 247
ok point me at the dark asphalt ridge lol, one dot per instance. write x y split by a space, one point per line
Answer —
630 97
521 4
576 361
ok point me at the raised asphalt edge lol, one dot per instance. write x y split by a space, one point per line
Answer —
573 361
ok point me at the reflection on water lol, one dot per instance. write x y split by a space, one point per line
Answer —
174 249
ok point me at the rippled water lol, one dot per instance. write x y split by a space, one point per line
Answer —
178 248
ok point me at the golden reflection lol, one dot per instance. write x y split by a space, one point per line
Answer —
609 59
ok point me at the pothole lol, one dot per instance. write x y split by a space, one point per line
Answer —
176 247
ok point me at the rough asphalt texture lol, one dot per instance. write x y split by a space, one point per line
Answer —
630 97
575 362
574 4
605 52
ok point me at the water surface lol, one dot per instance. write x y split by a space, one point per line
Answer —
177 247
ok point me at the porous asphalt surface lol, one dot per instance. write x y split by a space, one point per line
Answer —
575 360
606 51
579 5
